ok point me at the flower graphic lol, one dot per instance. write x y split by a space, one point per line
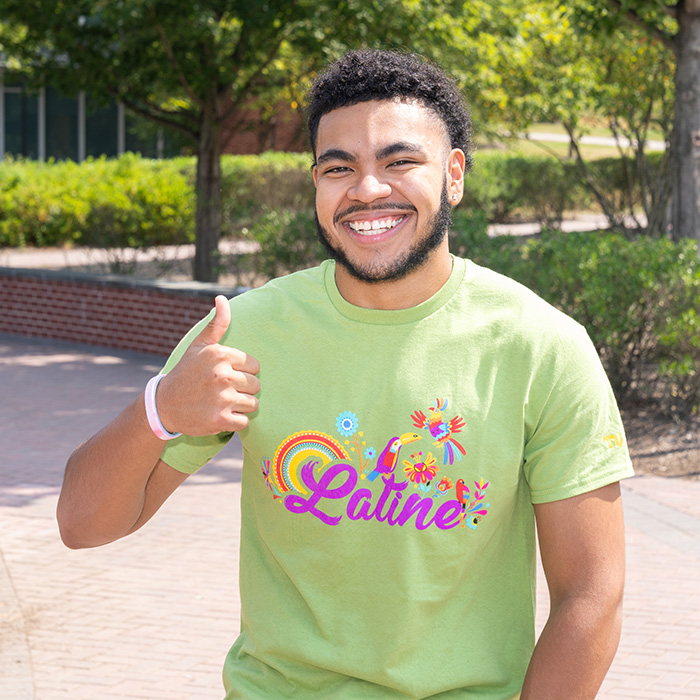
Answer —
348 426
346 423
445 484
419 471
472 511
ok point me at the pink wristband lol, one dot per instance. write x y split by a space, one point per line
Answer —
152 412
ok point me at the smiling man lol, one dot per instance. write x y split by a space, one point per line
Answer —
382 198
407 417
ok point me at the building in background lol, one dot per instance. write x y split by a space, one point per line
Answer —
44 124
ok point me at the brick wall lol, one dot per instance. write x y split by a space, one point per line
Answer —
111 311
246 131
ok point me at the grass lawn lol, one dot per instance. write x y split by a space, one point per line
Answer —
540 147
548 128
561 150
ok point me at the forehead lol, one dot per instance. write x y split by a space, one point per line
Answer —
377 123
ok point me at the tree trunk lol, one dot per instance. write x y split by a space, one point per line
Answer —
685 141
208 189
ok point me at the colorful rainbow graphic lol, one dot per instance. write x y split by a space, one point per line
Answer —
296 450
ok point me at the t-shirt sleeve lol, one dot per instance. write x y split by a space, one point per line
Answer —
575 442
188 454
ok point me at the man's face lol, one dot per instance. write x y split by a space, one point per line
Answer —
384 177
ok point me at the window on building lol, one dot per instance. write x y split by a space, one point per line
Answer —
21 122
100 129
74 128
61 126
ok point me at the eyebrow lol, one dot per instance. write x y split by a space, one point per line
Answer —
399 147
335 154
381 154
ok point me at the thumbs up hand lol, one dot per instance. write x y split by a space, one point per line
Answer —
212 388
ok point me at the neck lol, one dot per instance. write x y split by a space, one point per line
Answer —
413 289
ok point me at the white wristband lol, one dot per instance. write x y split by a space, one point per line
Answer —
152 412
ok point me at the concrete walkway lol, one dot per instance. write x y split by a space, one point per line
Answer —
622 142
153 616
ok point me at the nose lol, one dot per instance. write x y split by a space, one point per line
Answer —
368 188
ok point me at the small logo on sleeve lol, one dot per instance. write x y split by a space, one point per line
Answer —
613 440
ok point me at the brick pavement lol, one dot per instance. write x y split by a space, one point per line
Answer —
152 616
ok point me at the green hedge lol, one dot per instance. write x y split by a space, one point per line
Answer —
136 202
506 186
639 300
254 185
126 202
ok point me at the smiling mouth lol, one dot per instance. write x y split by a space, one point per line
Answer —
375 227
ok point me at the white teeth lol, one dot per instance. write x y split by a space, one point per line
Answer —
377 225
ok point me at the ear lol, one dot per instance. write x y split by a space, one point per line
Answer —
315 174
456 164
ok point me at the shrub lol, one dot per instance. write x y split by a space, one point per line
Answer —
506 186
288 242
637 299
132 201
254 185
126 202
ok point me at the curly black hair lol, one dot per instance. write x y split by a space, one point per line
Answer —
361 76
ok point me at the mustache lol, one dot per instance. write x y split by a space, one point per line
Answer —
384 206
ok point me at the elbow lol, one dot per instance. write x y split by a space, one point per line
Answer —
76 538
71 541
72 535
76 531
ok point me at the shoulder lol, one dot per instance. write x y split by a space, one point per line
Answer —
516 312
282 303
282 292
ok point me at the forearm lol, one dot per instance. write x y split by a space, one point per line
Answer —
104 488
575 649
116 481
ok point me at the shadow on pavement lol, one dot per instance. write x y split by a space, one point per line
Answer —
55 396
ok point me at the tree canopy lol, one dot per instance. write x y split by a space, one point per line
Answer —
190 65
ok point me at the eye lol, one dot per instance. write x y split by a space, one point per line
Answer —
402 162
337 170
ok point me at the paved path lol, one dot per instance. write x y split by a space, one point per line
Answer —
152 616
588 140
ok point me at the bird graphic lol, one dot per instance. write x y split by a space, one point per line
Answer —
386 462
461 488
442 432
477 508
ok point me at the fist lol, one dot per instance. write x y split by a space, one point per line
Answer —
212 388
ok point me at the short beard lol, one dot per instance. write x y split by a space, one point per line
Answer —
414 258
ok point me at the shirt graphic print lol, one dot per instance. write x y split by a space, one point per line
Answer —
417 478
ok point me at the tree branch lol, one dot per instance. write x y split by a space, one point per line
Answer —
605 205
172 114
157 118
628 189
243 92
671 10
652 29
175 65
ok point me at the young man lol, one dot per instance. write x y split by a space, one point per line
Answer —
406 417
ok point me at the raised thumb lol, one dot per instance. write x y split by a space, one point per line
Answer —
214 331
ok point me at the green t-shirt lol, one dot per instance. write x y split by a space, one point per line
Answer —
387 536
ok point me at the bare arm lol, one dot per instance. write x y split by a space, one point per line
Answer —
116 481
582 546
